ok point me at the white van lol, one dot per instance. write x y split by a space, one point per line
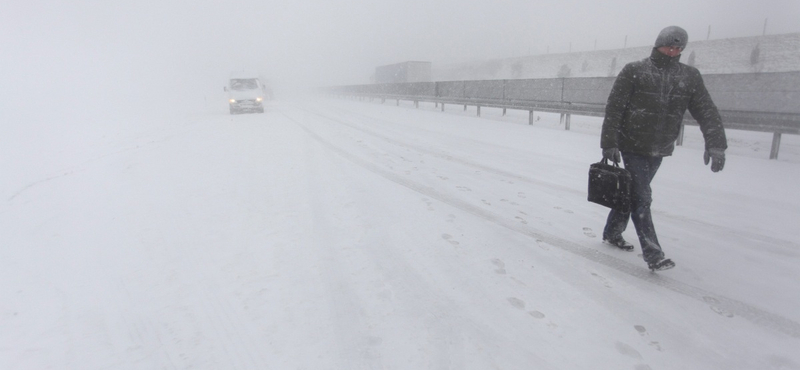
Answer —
246 93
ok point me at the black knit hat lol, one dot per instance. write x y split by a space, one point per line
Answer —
672 36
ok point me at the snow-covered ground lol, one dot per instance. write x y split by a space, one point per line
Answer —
350 235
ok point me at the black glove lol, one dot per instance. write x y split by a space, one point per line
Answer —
717 157
612 154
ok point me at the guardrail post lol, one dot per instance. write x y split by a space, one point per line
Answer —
398 102
479 111
530 117
679 142
465 107
776 144
442 107
437 104
416 103
567 121
504 110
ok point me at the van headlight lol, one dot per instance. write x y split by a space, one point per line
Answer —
258 99
232 100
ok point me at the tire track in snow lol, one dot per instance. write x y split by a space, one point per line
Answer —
81 166
358 344
753 314
235 335
740 234
448 157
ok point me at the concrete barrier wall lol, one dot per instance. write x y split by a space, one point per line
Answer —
756 92
450 89
772 94
544 90
488 89
589 90
422 89
750 92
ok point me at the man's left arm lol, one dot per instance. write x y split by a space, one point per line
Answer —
705 112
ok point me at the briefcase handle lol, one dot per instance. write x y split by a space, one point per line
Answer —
605 161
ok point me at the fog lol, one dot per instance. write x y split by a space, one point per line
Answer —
104 57
144 227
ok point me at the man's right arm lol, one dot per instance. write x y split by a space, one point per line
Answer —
618 101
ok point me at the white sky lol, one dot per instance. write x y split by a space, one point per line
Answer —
146 44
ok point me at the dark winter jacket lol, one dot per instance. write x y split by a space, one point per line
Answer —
647 103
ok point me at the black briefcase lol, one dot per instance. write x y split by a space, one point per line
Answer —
610 186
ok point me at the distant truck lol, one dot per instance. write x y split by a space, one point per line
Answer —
247 93
403 72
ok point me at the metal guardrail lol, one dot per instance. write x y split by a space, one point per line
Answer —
765 102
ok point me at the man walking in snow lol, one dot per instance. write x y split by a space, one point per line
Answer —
643 119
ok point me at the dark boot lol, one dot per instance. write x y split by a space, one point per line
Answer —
619 242
661 265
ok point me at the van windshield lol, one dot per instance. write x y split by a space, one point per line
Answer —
244 84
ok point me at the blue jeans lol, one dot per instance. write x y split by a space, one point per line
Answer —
642 169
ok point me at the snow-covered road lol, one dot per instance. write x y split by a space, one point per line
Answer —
351 235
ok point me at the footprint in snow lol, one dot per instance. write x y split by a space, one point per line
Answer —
516 302
542 244
562 209
449 238
536 314
714 304
501 266
628 351
602 280
588 232
643 332
520 304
